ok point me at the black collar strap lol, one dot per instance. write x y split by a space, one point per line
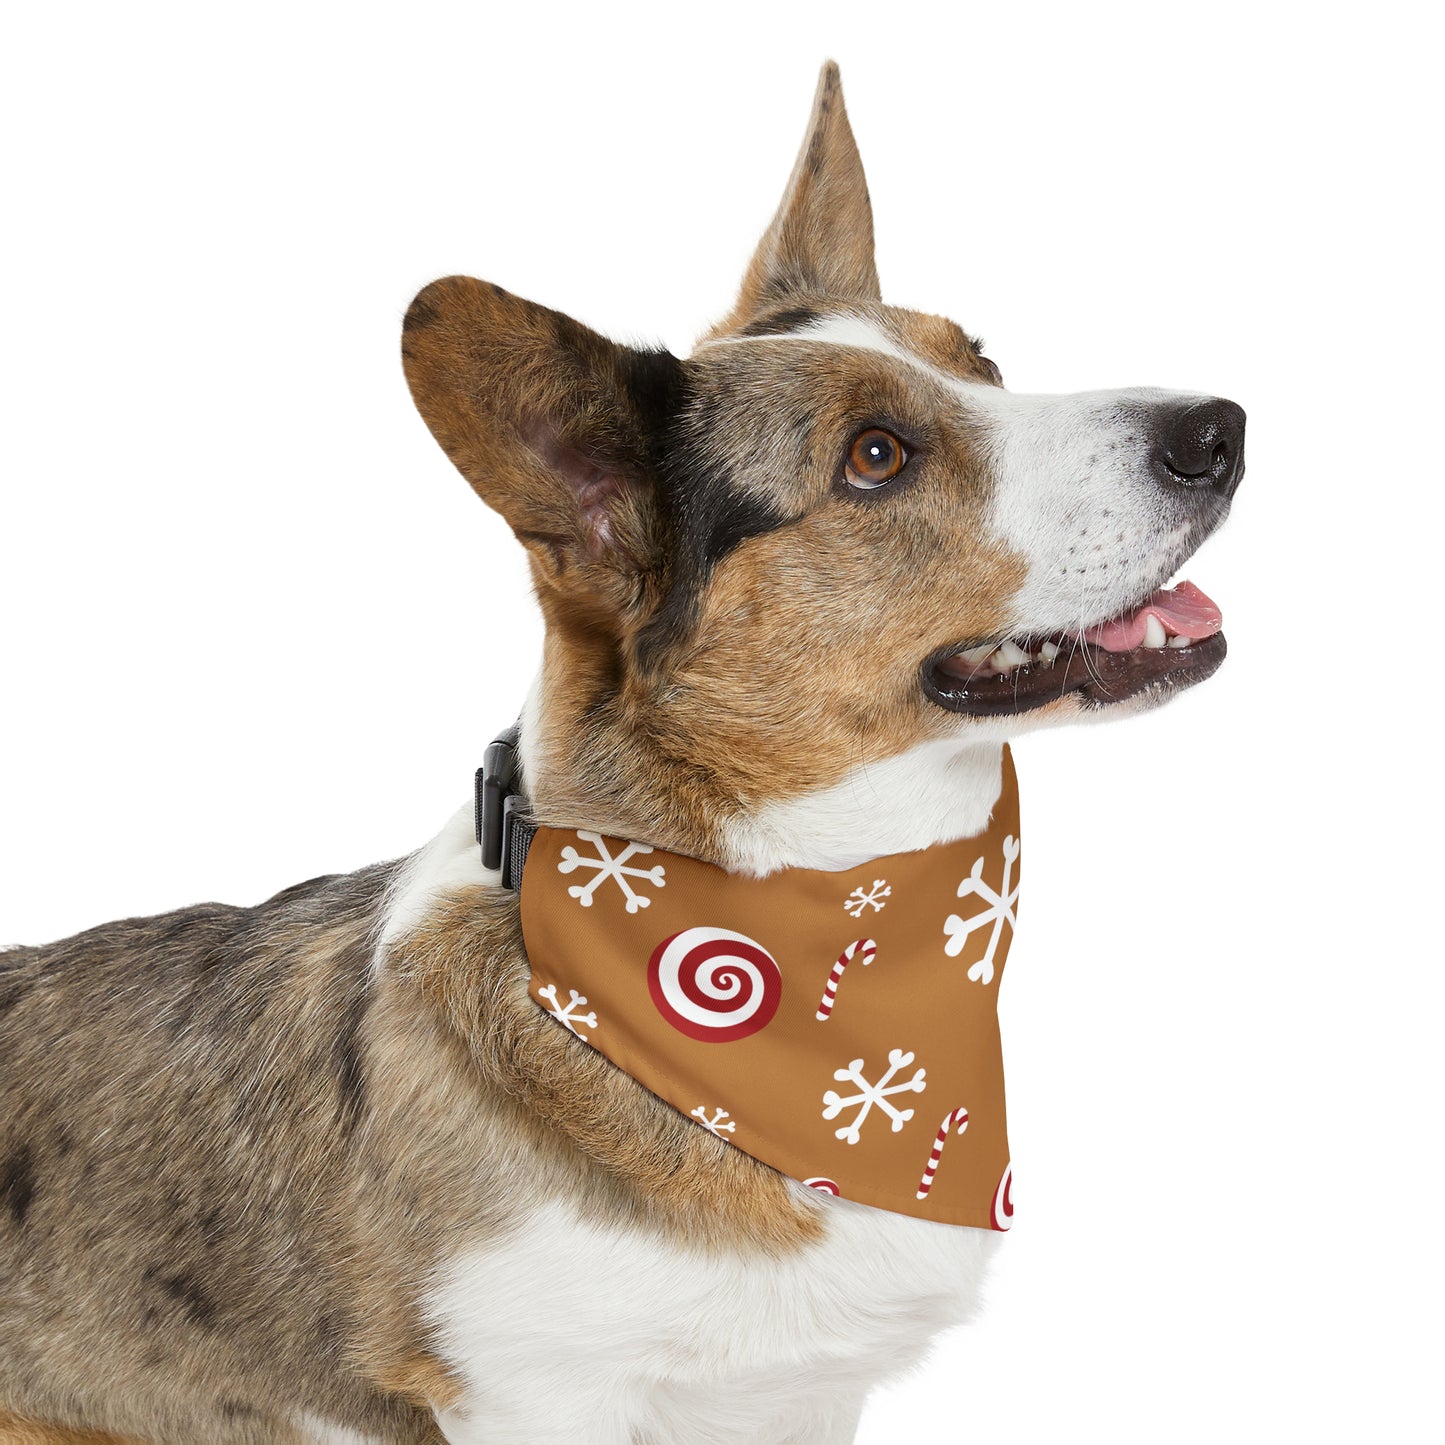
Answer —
504 832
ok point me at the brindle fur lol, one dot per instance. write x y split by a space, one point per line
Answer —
232 1148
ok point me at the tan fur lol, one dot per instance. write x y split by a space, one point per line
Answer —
820 243
503 384
791 676
14 1431
940 342
419 1377
654 1165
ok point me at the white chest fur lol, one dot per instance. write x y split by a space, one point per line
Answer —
570 1330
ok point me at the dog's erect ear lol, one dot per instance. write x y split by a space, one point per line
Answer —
820 243
555 426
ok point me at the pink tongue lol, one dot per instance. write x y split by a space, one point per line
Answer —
1184 610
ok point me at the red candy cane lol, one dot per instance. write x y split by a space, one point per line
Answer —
959 1117
861 948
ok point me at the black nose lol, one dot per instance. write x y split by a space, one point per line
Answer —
1201 444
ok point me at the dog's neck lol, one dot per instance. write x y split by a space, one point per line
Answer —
934 792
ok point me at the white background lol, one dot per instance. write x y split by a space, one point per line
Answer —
256 629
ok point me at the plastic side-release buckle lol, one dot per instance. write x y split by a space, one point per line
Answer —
503 831
496 780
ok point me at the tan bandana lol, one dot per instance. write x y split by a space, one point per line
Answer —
841 1027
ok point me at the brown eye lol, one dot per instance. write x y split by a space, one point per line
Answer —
875 457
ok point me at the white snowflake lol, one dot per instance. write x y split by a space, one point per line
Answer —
1000 911
871 1094
609 867
715 1125
873 897
566 1013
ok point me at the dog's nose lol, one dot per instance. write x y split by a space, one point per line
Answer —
1201 444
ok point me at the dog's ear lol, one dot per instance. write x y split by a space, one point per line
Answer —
820 243
555 426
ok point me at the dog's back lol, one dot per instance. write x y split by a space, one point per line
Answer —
179 1094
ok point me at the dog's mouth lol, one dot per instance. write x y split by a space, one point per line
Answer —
1170 641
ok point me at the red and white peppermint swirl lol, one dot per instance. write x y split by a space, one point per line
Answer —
1003 1200
864 950
823 1186
714 985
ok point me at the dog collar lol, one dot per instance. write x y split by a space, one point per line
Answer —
841 1027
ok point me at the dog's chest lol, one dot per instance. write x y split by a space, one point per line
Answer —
574 1329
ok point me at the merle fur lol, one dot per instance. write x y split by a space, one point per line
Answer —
17 1183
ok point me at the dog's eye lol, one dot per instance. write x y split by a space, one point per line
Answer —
876 457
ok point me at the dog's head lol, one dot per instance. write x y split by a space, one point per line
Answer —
830 534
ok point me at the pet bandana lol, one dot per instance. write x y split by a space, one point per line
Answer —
840 1027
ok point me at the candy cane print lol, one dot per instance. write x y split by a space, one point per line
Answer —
1003 1200
861 948
959 1117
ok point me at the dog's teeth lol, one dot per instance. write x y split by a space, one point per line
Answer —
977 656
1048 652
1180 641
1010 655
1154 634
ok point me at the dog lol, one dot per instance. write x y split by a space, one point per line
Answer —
321 1170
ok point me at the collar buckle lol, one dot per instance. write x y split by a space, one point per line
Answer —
504 832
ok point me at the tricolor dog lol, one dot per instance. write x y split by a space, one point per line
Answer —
337 1167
